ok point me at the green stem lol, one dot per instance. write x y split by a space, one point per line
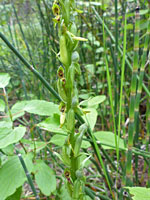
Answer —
129 174
27 175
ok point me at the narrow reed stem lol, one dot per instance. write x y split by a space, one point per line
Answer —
129 172
27 175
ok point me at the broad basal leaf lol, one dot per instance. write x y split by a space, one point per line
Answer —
45 178
35 146
17 109
16 195
5 124
96 100
91 117
41 107
93 102
139 193
4 79
107 139
9 150
58 139
12 176
52 124
11 137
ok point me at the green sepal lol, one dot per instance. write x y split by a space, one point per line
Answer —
69 188
76 189
70 77
67 14
64 55
73 29
65 6
75 57
77 68
66 155
61 90
82 130
70 120
75 102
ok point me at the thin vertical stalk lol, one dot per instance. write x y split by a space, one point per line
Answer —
121 89
129 173
109 82
148 122
140 81
27 175
116 64
138 96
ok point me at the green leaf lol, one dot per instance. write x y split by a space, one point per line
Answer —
12 176
91 117
41 107
64 195
4 131
17 109
84 96
139 193
4 80
52 124
9 150
45 178
90 68
143 12
34 145
5 124
11 137
16 195
85 144
107 139
93 101
96 100
2 105
58 139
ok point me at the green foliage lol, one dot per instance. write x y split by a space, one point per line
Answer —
45 178
141 193
12 176
11 136
107 139
40 107
2 105
16 195
91 124
4 80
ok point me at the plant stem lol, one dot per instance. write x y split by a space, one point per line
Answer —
27 175
129 173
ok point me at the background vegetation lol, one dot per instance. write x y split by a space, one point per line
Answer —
113 89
